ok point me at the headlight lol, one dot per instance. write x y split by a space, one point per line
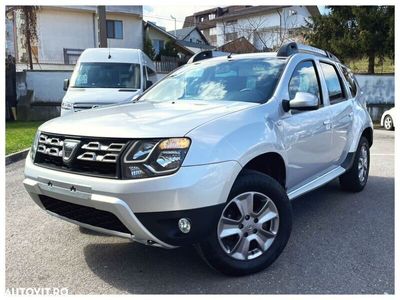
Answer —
149 158
35 145
67 105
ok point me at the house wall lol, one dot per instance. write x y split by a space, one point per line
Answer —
266 24
195 36
76 28
59 29
132 31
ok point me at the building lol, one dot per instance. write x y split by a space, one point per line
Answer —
187 42
65 31
266 27
191 38
239 46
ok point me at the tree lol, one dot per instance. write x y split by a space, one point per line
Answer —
29 27
353 32
148 48
169 49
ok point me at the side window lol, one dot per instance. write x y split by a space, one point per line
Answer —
335 88
304 79
350 81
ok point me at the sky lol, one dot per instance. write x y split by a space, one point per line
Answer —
162 14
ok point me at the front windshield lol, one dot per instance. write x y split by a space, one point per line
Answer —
249 80
106 75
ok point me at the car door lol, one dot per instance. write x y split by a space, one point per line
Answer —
341 110
306 135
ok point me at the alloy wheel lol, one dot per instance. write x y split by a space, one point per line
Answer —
363 163
248 226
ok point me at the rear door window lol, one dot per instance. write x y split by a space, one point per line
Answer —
333 83
350 81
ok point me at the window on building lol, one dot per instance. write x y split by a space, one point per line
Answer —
114 29
231 22
211 16
158 45
213 31
231 36
335 89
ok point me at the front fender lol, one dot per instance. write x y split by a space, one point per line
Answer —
239 137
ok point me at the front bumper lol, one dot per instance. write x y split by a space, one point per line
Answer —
149 208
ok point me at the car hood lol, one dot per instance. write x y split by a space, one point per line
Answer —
99 96
143 119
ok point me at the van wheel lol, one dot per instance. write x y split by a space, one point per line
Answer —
253 228
355 179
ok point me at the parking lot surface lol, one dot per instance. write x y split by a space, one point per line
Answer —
340 243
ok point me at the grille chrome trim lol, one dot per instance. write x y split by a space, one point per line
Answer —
115 147
92 156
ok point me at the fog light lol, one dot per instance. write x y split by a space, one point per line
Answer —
184 225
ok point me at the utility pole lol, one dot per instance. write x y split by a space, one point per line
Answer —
173 18
101 27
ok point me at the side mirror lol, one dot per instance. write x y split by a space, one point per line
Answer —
302 101
66 84
149 83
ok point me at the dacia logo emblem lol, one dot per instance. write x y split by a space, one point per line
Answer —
69 149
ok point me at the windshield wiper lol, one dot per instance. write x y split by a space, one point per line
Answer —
128 90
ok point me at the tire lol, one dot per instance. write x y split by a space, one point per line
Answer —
388 122
352 181
269 199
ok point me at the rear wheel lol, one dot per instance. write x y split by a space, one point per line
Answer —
388 122
355 179
253 228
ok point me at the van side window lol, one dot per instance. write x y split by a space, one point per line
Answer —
333 83
304 79
350 80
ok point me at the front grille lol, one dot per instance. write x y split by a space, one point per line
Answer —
89 156
85 106
84 214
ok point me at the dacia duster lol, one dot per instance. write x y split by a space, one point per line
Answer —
212 155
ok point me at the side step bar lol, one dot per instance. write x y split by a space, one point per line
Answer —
316 183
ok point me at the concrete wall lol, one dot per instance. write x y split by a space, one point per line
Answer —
378 93
40 94
47 86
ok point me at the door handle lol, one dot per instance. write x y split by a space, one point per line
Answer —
327 122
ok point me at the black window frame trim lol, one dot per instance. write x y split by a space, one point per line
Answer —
321 99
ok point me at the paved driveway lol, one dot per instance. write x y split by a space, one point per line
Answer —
340 243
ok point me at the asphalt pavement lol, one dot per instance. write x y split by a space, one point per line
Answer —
340 243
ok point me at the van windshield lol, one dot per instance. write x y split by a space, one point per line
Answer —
106 75
248 80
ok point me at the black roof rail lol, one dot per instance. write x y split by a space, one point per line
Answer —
293 47
207 54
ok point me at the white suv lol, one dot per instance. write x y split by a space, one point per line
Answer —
212 155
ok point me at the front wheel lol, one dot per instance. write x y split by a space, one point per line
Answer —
253 228
355 179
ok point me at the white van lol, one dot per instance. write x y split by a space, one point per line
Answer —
104 76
